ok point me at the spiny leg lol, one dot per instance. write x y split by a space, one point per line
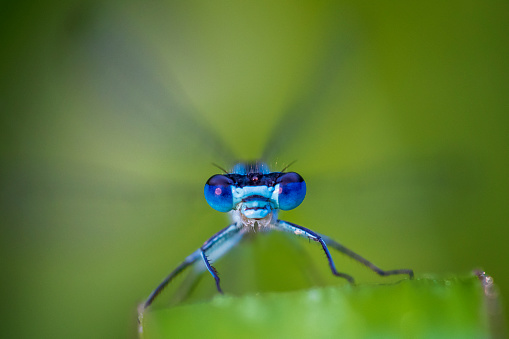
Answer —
221 242
337 246
212 271
286 226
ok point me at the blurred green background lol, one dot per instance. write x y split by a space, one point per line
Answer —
112 113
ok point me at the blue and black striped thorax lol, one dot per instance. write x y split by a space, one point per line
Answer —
254 191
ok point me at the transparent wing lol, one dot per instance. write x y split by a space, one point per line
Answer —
134 105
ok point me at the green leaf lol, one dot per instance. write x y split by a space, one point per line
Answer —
421 308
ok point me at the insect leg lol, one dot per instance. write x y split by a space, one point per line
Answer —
286 226
337 246
218 245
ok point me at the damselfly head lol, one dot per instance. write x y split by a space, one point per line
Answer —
254 191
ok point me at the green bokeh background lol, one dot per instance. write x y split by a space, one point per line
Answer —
112 113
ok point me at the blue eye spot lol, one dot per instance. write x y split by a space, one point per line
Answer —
292 190
218 193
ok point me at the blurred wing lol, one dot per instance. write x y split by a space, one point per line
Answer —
135 109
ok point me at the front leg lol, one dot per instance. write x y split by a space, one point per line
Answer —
295 229
218 245
324 241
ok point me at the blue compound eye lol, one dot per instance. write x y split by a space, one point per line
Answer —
218 193
292 190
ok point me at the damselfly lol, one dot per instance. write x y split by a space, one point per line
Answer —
253 195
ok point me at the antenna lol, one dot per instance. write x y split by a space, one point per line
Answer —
222 169
290 164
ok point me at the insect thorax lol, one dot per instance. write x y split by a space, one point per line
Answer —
252 224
